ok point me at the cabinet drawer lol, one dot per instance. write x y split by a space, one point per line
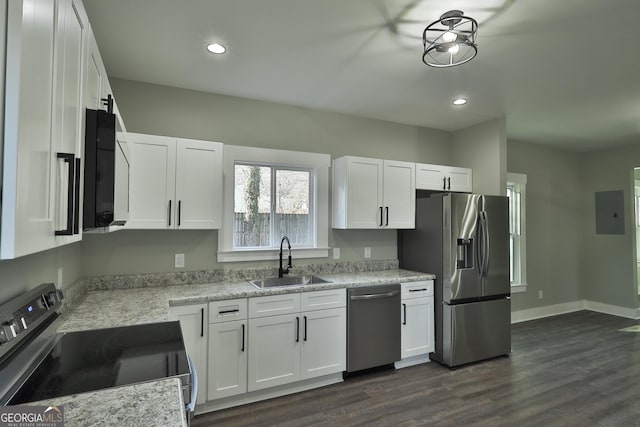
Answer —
418 289
274 305
227 310
319 300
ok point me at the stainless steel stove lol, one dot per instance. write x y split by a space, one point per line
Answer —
36 363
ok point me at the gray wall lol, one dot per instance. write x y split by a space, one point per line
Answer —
553 223
20 274
169 111
483 148
609 265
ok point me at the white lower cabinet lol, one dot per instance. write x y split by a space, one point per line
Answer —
227 370
416 316
193 320
323 342
274 351
308 341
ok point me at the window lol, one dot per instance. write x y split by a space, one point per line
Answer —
271 202
269 194
516 191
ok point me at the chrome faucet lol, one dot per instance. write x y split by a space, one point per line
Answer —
283 271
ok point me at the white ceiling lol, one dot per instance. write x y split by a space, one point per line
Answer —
563 72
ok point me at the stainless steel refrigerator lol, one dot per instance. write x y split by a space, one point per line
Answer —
464 240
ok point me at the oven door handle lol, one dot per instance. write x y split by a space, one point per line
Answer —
194 385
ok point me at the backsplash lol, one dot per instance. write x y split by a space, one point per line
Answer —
128 281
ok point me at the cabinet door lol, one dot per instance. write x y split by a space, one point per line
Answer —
416 316
28 218
152 182
199 184
460 179
194 332
94 76
274 351
364 192
324 340
68 111
430 177
227 359
399 194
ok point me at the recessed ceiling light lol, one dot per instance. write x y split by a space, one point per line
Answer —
216 48
460 101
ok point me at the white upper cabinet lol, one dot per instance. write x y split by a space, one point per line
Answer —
68 116
45 50
175 183
373 193
443 178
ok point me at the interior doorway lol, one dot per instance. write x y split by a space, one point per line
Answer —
636 205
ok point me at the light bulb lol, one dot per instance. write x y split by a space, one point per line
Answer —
449 37
216 48
459 101
454 49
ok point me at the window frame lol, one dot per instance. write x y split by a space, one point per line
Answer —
318 166
275 241
518 182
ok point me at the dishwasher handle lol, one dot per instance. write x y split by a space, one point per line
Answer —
373 296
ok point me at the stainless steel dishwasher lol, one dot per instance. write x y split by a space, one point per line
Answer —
373 332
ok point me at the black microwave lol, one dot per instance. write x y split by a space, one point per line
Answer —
106 170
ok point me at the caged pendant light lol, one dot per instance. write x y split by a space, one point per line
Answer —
450 41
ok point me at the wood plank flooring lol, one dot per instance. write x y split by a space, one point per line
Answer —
576 369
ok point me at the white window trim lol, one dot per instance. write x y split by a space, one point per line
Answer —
318 163
520 180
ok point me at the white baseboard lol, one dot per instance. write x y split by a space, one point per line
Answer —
546 311
629 313
570 307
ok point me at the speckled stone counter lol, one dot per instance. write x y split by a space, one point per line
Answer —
121 307
150 404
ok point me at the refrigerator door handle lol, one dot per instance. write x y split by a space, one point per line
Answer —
480 246
485 244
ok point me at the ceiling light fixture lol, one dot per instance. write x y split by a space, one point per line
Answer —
450 41
216 48
460 101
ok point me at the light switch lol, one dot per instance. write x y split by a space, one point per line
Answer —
336 253
179 260
367 252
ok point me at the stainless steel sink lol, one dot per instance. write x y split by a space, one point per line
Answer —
287 281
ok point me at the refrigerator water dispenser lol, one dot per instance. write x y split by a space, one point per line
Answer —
465 254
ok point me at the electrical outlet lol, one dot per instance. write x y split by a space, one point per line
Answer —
367 252
540 295
336 253
60 273
179 260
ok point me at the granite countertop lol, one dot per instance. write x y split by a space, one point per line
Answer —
160 403
122 307
156 403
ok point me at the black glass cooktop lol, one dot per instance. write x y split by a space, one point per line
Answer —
96 359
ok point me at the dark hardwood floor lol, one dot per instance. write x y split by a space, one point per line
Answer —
576 369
